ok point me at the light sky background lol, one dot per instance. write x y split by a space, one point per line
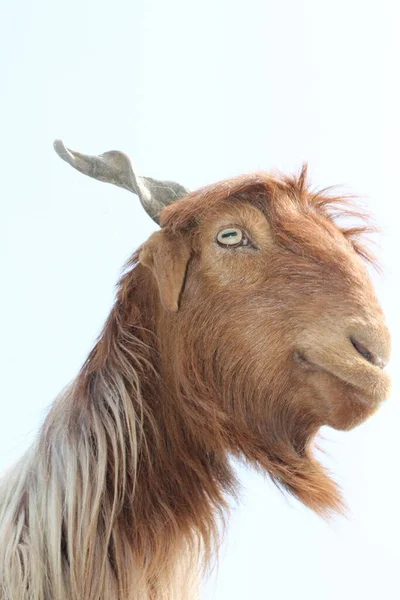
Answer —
197 92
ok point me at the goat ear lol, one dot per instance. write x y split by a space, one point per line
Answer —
167 257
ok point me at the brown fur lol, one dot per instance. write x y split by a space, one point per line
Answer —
215 352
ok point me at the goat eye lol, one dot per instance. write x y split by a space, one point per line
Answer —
232 237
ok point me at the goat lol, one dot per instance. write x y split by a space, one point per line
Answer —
239 329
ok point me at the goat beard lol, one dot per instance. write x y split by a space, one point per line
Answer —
282 443
273 425
273 432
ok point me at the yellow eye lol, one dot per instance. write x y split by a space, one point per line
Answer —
232 237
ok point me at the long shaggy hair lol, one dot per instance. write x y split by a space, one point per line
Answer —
124 492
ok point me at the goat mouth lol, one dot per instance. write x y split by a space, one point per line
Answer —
302 359
356 393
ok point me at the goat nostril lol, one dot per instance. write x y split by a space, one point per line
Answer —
362 350
369 356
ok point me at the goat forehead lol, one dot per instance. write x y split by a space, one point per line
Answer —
309 233
241 213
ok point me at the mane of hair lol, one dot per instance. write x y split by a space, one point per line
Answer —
114 500
117 499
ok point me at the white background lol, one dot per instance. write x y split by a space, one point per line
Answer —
197 92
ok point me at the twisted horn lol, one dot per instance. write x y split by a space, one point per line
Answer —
115 167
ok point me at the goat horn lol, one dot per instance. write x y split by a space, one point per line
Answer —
115 167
